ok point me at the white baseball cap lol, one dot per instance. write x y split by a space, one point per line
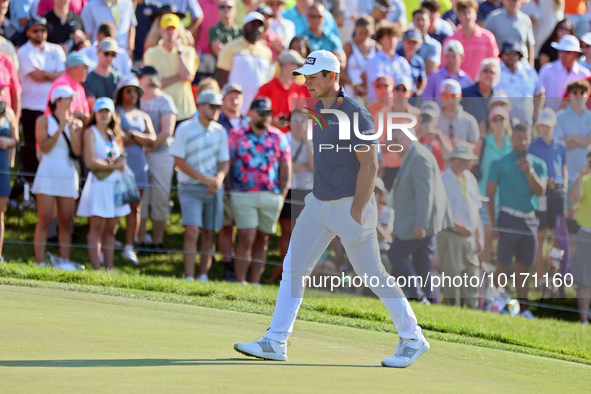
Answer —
62 91
454 46
319 61
253 16
546 117
450 86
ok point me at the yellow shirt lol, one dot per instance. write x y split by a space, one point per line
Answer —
167 64
249 65
584 214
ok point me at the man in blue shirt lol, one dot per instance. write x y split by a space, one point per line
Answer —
553 151
298 15
386 61
341 204
411 42
317 38
430 51
521 178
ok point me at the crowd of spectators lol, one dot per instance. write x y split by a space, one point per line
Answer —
205 88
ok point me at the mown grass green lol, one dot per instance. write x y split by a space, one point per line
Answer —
64 341
542 337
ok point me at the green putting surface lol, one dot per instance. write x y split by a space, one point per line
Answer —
61 341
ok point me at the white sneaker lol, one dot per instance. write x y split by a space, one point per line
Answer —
527 314
407 351
266 348
129 254
203 278
189 278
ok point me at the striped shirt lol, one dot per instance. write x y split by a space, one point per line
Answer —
202 148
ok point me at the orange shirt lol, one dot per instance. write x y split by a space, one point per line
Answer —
577 7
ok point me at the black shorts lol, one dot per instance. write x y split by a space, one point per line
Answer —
555 206
294 203
517 238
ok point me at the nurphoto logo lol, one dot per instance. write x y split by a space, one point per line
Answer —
394 121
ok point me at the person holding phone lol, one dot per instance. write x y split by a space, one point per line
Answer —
8 141
103 147
56 180
521 178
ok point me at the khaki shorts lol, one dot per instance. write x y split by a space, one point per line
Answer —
258 210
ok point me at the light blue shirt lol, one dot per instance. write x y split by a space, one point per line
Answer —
186 5
521 86
98 12
328 41
22 9
430 50
570 123
380 65
301 22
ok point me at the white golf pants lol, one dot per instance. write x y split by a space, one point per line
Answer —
316 226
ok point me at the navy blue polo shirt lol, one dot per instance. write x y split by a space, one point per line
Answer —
554 154
417 68
335 161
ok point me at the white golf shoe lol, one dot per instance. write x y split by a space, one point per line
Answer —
266 348
407 351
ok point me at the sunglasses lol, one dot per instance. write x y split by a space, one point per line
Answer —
315 16
215 107
498 120
264 113
225 7
401 89
110 54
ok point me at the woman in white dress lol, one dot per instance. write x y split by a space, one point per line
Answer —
56 180
103 145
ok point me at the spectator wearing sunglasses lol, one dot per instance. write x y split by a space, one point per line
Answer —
103 80
200 151
226 30
454 122
411 42
476 97
122 62
260 173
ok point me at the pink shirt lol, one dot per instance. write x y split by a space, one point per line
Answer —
481 46
210 8
9 74
79 102
47 5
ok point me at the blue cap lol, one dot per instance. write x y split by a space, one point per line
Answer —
76 58
103 103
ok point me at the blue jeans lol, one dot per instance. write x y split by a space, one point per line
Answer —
421 251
